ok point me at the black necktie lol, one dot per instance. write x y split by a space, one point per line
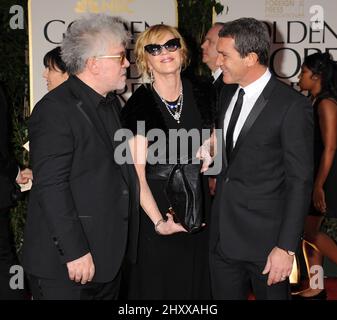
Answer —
232 123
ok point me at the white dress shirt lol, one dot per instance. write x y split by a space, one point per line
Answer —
252 92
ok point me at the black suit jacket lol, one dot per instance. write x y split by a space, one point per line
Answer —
263 193
8 166
81 200
219 84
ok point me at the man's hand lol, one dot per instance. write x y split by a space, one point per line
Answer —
82 269
279 265
24 176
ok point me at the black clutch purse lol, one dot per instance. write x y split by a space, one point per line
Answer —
185 194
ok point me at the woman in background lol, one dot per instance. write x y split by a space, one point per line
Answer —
319 78
55 69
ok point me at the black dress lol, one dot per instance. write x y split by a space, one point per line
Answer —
173 266
330 185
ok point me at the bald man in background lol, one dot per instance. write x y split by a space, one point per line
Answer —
209 56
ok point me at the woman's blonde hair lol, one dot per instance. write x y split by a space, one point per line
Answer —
153 35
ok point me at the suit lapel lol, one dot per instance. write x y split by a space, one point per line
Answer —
110 115
94 121
218 84
258 107
225 98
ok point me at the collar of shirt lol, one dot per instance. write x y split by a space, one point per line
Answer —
254 89
93 95
252 92
216 74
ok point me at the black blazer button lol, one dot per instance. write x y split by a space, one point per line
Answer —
227 180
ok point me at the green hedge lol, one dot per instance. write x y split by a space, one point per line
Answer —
14 75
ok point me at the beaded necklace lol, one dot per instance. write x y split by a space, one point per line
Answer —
175 109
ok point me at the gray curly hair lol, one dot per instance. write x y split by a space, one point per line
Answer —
91 36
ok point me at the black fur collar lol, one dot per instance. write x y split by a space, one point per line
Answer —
142 106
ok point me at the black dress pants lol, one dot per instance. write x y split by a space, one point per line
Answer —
8 259
55 289
234 279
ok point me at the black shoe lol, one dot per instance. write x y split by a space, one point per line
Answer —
319 296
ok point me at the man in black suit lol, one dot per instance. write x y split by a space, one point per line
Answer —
9 174
83 206
209 57
263 191
210 54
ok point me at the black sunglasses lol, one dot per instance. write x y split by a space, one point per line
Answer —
156 49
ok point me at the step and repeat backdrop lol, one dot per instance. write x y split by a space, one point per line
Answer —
49 19
297 28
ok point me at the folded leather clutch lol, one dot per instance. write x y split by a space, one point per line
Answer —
185 194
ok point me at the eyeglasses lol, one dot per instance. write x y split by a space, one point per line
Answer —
156 49
121 57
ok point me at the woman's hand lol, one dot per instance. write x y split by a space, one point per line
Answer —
24 176
169 226
318 198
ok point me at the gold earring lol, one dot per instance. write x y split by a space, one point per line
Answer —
151 76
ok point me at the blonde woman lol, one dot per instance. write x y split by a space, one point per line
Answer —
172 263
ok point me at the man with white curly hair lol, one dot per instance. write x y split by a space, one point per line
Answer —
81 218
